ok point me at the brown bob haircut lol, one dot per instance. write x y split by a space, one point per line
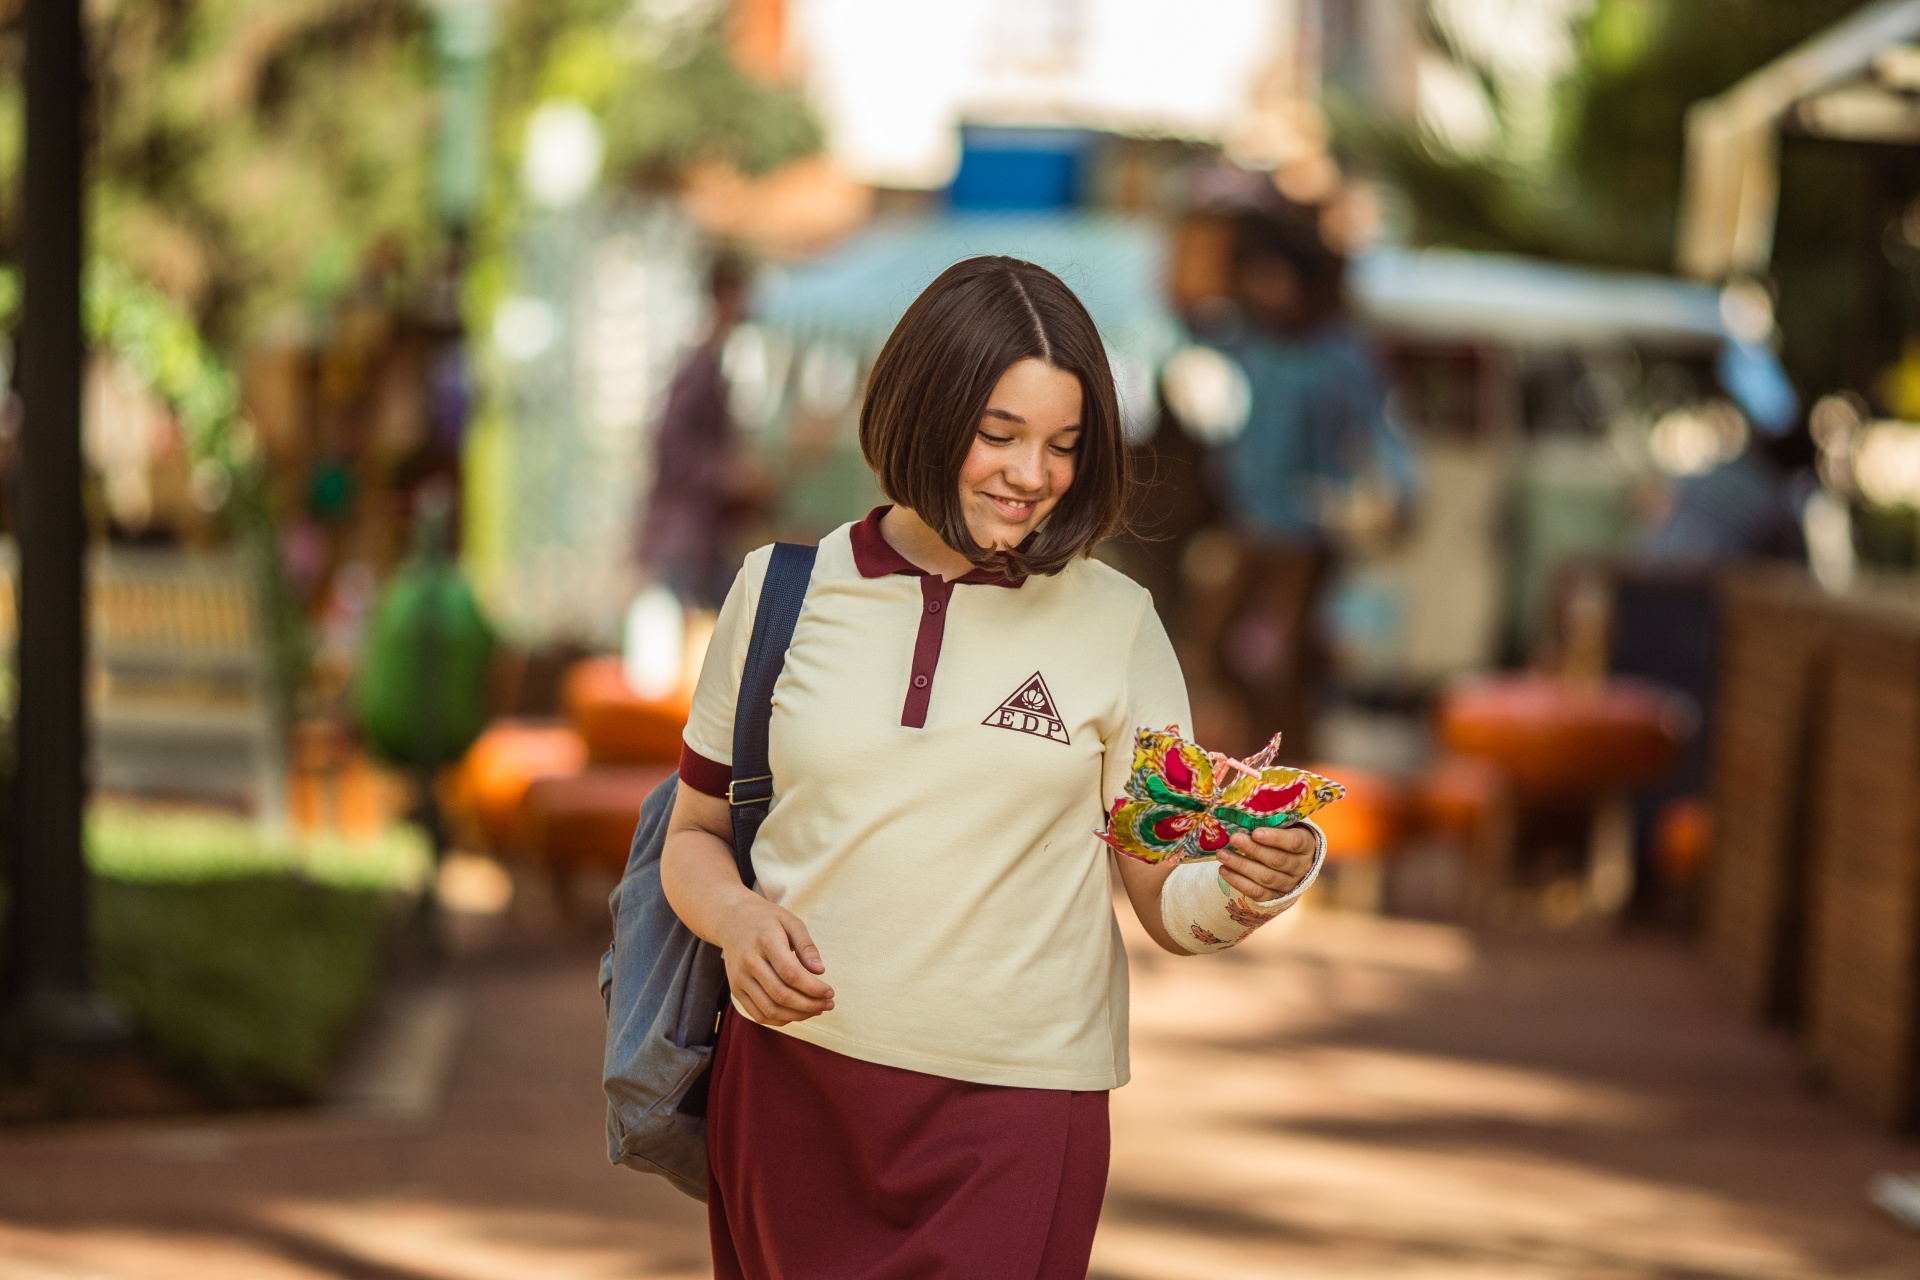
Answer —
931 384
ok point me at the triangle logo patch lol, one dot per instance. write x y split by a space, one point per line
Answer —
1030 709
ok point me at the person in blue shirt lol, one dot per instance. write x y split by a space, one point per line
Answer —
1318 456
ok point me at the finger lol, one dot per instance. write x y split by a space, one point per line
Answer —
788 968
764 1011
1287 839
1254 855
1292 865
784 997
1247 882
762 970
1246 888
802 943
778 968
777 1012
1263 866
1269 880
806 961
782 965
1295 864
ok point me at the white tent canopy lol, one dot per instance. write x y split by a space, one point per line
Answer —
1733 179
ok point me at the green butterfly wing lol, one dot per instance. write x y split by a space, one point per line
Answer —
1151 832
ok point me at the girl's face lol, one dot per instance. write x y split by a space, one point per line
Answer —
1023 454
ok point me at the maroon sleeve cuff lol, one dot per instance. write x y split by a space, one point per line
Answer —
703 774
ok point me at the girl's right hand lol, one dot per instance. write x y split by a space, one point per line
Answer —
773 966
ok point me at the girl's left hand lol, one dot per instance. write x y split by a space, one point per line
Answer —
1267 863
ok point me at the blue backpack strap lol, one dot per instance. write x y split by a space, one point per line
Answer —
750 793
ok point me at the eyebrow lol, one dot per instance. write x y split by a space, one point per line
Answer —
1006 416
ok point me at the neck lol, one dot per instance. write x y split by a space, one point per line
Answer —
915 539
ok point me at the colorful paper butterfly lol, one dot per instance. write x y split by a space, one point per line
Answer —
1184 803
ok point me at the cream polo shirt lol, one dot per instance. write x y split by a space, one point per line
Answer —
942 755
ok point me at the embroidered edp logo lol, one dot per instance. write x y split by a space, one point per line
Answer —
1030 709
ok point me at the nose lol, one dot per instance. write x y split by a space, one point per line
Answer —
1026 470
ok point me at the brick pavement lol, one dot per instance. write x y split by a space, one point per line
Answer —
1344 1097
1351 1097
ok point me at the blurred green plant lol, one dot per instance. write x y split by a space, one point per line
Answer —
246 155
154 337
248 152
662 81
666 114
251 155
658 76
246 986
1603 184
420 688
245 959
181 846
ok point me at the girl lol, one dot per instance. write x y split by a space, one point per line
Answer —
932 980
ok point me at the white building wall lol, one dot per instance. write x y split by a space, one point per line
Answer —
893 78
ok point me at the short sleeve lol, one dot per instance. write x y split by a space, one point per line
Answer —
1156 696
708 737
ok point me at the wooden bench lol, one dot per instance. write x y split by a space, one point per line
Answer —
178 694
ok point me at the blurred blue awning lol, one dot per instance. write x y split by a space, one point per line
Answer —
1117 265
857 291
1519 302
1523 304
853 295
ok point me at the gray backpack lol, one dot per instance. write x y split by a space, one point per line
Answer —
664 988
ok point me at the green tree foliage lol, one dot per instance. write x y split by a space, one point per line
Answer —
658 75
668 116
661 79
154 337
250 156
1607 191
249 152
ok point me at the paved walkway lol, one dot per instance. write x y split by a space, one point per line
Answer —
1344 1097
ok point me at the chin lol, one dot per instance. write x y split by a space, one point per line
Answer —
1002 534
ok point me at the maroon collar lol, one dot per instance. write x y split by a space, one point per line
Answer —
875 557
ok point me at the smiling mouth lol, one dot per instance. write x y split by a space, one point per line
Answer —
1012 508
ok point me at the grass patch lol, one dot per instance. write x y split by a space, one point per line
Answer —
245 959
187 845
247 985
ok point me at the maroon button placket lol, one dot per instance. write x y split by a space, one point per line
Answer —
935 595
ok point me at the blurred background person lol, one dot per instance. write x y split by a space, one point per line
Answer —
1317 462
706 484
1746 508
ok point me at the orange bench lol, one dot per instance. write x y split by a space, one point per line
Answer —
489 789
617 724
585 822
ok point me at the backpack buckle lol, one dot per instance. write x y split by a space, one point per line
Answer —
745 791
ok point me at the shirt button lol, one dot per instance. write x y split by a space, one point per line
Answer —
919 682
933 606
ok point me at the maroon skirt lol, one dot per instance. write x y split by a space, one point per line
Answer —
826 1166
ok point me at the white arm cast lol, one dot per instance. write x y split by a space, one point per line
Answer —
1203 913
